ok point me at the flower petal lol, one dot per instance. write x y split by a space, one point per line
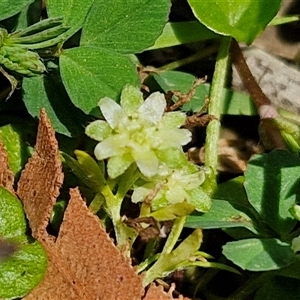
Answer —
172 120
177 194
175 137
117 165
172 157
140 193
147 162
111 146
159 202
153 107
98 130
200 200
111 111
131 99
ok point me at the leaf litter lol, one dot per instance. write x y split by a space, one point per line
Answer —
83 262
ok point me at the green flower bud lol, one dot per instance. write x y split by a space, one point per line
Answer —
20 60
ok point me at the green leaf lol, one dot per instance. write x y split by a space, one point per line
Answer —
12 219
181 33
87 171
74 12
49 93
278 288
232 191
221 215
29 15
126 26
25 268
23 271
173 211
57 214
12 136
235 103
90 167
259 254
296 244
272 188
9 8
243 20
90 74
168 262
291 271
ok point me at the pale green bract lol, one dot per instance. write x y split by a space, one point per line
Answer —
175 186
137 131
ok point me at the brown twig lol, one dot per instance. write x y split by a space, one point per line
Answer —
264 106
247 78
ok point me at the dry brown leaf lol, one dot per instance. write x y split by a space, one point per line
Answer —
41 179
6 175
84 263
156 292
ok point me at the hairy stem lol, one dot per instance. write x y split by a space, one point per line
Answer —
264 107
215 100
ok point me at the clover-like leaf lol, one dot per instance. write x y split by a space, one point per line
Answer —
243 20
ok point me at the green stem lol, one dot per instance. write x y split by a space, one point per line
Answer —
157 269
187 60
215 101
174 235
125 235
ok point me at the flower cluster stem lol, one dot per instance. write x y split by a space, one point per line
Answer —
125 236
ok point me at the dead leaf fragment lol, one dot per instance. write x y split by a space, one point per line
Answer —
84 262
156 292
6 175
41 179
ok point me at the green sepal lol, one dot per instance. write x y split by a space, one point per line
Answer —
39 36
172 211
38 27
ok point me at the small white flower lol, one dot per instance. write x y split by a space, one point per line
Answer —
175 186
137 131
